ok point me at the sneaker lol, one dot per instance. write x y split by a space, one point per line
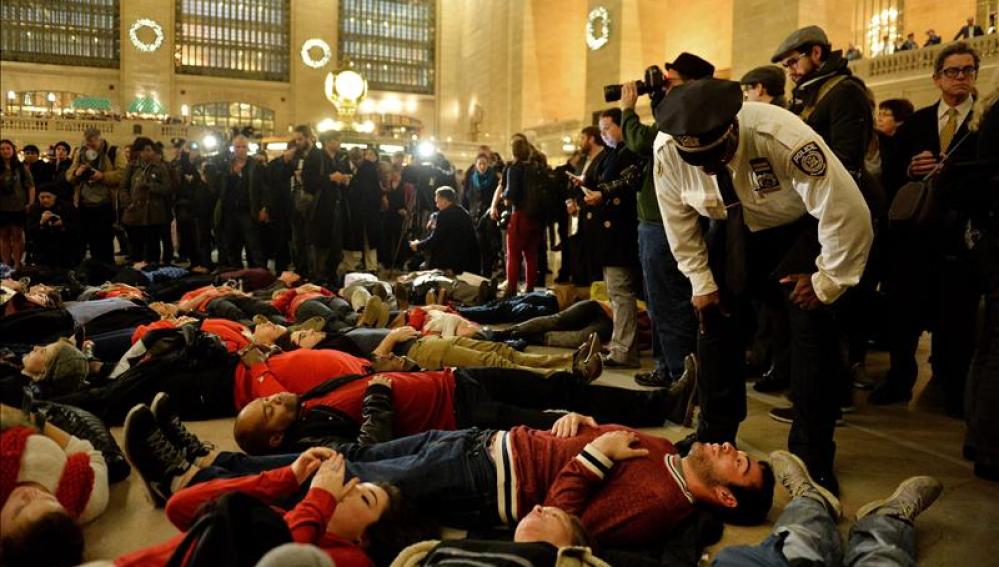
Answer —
655 379
792 473
152 454
171 425
587 369
595 345
910 499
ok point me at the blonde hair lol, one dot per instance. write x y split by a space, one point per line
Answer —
984 103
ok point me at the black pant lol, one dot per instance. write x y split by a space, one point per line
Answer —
204 242
584 315
241 231
242 309
501 398
815 362
939 290
166 238
144 243
97 230
187 238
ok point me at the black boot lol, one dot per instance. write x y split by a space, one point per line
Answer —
152 454
171 425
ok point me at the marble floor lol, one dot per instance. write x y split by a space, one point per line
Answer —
877 448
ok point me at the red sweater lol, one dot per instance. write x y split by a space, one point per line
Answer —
195 293
289 300
421 401
297 372
230 332
637 503
307 521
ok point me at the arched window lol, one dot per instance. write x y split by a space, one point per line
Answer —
60 32
391 42
225 115
246 39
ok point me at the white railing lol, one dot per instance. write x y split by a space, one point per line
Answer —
918 59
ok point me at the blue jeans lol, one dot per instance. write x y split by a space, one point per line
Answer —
805 532
512 310
449 472
668 293
230 465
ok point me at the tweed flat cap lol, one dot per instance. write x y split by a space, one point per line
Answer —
808 35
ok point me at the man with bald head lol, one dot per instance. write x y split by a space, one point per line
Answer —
245 204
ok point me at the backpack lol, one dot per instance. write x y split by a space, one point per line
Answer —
540 196
234 531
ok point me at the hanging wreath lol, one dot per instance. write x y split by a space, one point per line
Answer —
133 34
597 28
307 57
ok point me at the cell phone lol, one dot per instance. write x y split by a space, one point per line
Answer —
587 192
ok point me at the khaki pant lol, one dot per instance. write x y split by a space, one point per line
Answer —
435 353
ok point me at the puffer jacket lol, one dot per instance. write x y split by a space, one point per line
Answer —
146 194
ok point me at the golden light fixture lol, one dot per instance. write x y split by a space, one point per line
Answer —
345 90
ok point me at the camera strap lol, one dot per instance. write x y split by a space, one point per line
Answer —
823 91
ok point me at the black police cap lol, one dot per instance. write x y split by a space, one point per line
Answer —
699 113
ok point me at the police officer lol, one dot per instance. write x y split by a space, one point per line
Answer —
784 212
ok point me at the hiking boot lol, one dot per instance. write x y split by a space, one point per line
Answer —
171 425
152 454
909 500
372 311
791 472
681 393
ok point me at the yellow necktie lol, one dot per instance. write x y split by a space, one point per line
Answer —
947 132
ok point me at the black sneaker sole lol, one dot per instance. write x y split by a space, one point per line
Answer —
156 495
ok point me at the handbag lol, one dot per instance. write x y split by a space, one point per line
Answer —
915 204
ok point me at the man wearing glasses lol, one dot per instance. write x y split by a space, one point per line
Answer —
830 99
932 279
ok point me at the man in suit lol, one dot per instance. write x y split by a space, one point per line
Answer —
452 244
932 280
969 30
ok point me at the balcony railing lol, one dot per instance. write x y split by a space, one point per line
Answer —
918 59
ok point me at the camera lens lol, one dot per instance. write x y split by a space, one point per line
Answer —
612 93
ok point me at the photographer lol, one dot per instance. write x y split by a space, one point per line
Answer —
52 230
244 203
667 290
95 174
145 197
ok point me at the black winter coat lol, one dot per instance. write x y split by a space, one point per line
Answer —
324 223
364 198
452 245
325 426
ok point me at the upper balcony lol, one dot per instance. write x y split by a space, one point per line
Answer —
907 73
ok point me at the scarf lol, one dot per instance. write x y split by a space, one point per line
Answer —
75 483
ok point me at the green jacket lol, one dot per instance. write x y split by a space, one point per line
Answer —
639 139
146 194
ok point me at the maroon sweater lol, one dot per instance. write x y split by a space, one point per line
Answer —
635 502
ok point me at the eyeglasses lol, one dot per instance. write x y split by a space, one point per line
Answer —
953 72
790 61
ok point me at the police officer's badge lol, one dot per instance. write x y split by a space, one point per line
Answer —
810 159
766 179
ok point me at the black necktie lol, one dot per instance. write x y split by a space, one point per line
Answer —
735 234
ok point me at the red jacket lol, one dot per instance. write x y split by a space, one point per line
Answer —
230 332
297 372
307 521
637 503
421 401
289 300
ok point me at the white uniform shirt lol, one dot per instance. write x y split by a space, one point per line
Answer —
781 171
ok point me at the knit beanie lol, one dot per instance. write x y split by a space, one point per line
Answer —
66 369
295 555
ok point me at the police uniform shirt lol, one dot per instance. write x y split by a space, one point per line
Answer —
781 170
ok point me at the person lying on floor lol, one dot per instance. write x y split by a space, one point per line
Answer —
50 484
476 478
458 398
47 371
439 320
347 519
562 328
431 352
17 297
225 302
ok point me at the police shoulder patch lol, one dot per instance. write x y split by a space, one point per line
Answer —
810 160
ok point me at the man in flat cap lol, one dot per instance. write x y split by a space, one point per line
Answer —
95 174
667 290
772 189
764 84
830 99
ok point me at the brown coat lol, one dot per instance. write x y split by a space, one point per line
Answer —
146 194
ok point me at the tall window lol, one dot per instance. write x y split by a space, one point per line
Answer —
390 42
225 115
233 38
881 23
60 32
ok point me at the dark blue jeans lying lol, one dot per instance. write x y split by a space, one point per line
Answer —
513 310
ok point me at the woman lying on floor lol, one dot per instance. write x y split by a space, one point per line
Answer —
50 483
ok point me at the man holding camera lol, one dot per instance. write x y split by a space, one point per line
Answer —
772 188
95 174
666 289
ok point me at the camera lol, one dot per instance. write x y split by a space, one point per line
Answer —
653 82
629 175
